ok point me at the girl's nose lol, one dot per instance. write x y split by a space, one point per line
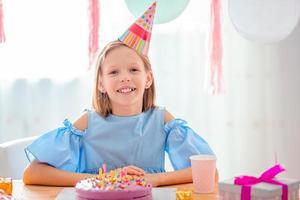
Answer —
125 78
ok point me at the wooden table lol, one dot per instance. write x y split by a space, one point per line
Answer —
211 196
23 192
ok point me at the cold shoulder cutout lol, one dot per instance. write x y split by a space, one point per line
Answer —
167 117
82 122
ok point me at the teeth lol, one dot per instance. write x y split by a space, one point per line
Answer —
126 90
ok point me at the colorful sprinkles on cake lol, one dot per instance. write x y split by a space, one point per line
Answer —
113 180
139 33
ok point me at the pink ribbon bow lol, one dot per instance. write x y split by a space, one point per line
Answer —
247 181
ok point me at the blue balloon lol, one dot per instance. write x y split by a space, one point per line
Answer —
166 10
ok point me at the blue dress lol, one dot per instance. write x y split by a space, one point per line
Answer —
117 141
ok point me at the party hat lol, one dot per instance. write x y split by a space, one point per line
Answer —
139 33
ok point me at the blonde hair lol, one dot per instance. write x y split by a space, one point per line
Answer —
101 103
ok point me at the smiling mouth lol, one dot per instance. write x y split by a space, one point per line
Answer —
126 90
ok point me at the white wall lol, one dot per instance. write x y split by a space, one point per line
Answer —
259 116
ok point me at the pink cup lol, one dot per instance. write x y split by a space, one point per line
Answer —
203 171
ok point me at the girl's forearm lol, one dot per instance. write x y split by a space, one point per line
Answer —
175 177
42 174
171 178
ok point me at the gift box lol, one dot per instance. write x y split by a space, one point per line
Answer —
263 187
5 186
261 191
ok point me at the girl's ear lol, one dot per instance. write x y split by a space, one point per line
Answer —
149 79
100 87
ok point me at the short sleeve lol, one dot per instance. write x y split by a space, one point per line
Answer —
61 148
182 142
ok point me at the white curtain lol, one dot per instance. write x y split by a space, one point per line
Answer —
255 120
34 107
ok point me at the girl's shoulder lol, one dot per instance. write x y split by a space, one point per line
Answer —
168 117
81 122
166 114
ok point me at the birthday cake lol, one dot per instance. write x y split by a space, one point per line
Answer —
114 185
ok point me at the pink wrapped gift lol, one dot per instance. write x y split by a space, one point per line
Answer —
264 187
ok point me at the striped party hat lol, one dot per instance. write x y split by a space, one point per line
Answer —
139 33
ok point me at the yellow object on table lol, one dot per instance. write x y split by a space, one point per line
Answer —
184 194
6 185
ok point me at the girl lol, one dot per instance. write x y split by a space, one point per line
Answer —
124 128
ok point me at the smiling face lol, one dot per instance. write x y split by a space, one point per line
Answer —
124 78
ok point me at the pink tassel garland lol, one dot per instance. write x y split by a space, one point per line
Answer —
216 82
2 34
93 29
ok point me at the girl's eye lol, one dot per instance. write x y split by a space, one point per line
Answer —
113 72
134 70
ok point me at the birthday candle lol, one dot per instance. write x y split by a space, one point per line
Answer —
100 173
104 168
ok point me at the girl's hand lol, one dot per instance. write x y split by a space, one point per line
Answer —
152 179
133 170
